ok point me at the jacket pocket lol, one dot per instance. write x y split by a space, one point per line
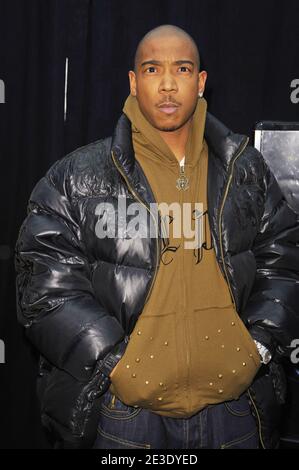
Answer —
68 407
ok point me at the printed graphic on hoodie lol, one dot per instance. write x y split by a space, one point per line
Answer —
171 247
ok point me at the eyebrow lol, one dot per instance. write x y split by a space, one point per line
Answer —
158 62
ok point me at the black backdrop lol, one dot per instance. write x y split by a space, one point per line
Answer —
250 50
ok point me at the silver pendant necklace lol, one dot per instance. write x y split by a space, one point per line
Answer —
182 183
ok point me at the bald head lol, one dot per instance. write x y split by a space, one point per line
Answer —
162 33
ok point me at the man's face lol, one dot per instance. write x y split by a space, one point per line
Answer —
159 80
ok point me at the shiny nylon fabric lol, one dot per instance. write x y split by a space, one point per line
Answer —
78 295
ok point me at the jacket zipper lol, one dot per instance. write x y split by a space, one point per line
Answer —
224 266
141 202
220 217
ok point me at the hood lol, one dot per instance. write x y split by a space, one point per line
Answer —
148 141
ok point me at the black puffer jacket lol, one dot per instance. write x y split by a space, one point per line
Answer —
80 296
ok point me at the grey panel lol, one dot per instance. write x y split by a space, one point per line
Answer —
280 149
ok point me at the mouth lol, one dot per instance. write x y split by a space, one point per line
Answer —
168 108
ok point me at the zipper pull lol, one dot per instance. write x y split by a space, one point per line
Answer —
182 183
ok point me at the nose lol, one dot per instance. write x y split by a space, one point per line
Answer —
167 83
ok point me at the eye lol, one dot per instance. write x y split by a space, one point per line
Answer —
184 67
150 68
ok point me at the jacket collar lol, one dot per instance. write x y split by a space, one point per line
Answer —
221 140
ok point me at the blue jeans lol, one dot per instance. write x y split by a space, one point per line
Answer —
228 425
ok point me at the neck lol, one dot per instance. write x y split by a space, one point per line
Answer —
177 140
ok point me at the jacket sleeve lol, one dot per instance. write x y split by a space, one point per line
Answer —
55 298
272 312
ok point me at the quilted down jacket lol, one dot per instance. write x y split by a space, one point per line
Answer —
77 295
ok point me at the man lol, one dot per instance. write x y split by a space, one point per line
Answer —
153 342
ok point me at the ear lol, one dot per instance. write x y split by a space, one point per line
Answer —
202 77
132 79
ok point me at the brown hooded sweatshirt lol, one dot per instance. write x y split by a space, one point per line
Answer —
189 347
